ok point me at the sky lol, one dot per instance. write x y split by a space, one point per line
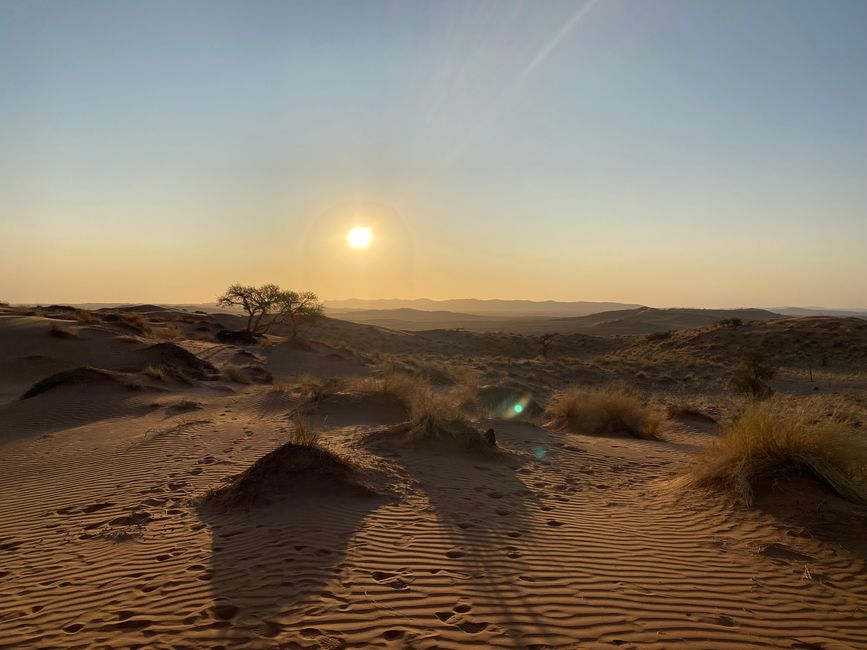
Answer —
662 152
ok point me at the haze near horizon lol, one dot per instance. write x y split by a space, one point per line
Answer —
664 153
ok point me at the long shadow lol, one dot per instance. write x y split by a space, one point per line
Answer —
274 565
489 513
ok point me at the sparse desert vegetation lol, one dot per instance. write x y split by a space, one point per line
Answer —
781 439
611 409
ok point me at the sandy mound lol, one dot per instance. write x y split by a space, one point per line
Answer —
178 360
508 403
84 376
72 398
291 470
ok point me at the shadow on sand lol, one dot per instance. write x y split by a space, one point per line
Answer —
274 565
488 514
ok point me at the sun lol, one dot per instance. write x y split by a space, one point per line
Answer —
359 237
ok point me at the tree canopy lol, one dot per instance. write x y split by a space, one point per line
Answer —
268 305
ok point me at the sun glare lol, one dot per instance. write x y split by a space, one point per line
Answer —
359 237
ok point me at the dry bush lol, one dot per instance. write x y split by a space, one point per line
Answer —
84 316
187 405
608 409
302 434
135 321
155 372
237 375
778 439
416 394
171 332
313 388
419 397
59 331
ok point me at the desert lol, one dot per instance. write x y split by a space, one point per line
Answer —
433 325
337 489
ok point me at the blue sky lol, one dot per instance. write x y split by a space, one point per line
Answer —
666 152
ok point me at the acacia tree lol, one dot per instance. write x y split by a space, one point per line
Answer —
292 306
545 341
269 304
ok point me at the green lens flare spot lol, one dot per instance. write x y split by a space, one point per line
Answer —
518 408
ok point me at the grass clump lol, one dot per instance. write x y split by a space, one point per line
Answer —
774 440
236 375
607 409
302 435
171 332
156 372
418 396
84 316
59 331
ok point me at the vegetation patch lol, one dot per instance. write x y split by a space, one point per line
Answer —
60 332
776 439
613 409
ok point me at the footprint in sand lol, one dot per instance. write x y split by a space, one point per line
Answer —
224 611
96 507
781 552
389 579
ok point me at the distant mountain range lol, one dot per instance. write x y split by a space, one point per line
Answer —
640 320
473 307
532 317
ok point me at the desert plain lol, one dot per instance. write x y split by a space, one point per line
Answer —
362 486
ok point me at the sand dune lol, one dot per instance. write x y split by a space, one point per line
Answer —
557 540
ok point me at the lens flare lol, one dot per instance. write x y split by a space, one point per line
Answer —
359 237
517 408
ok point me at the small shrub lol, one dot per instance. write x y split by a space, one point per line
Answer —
83 316
237 375
187 405
155 372
59 331
171 332
751 377
773 440
731 323
135 320
609 409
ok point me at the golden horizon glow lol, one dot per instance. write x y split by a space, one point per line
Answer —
359 237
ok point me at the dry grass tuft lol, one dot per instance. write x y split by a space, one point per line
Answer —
171 332
607 409
417 395
59 331
155 372
776 439
302 434
237 375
